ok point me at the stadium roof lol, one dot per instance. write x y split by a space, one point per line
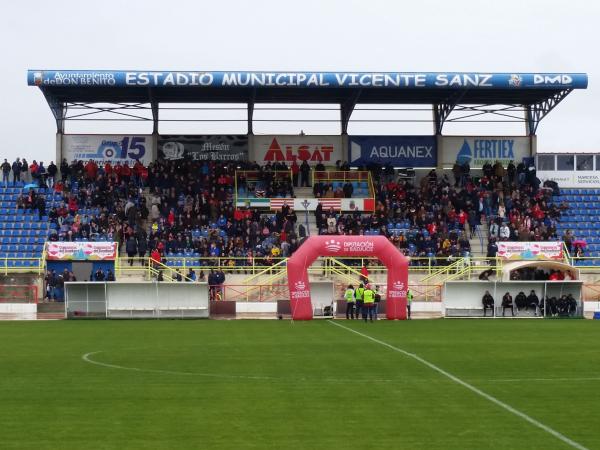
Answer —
536 93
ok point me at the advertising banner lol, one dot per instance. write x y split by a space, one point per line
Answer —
476 150
81 251
572 179
115 148
390 80
288 148
530 250
309 204
204 147
398 151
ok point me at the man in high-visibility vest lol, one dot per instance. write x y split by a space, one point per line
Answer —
409 298
349 297
358 294
369 303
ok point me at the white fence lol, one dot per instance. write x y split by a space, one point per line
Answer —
136 300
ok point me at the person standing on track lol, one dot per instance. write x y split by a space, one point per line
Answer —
369 301
377 299
350 302
409 299
359 295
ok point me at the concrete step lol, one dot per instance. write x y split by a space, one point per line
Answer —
50 316
51 308
303 192
17 316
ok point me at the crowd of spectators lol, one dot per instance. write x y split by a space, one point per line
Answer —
23 171
437 216
186 208
170 208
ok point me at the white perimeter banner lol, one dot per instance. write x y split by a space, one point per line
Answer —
81 251
479 149
114 148
572 179
287 148
530 250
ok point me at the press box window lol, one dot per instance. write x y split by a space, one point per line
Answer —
546 162
597 162
585 162
565 162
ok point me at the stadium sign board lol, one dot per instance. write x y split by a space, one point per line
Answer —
204 147
81 251
114 148
390 80
572 179
477 150
530 250
397 151
289 148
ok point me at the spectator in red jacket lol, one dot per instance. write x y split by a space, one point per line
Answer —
126 173
91 170
73 207
155 257
364 275
295 172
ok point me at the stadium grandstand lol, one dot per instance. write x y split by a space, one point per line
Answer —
347 226
229 210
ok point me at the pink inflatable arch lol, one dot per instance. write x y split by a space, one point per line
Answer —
344 246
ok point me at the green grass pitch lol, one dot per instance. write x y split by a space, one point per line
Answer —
303 385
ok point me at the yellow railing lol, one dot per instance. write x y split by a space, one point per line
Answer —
585 262
254 176
257 267
566 255
13 265
456 266
340 175
279 266
372 191
345 175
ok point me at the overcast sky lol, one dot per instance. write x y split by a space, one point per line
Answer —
326 35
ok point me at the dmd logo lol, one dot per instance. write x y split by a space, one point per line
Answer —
333 245
553 79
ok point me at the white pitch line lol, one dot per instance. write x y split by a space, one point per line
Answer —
87 359
470 387
521 380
